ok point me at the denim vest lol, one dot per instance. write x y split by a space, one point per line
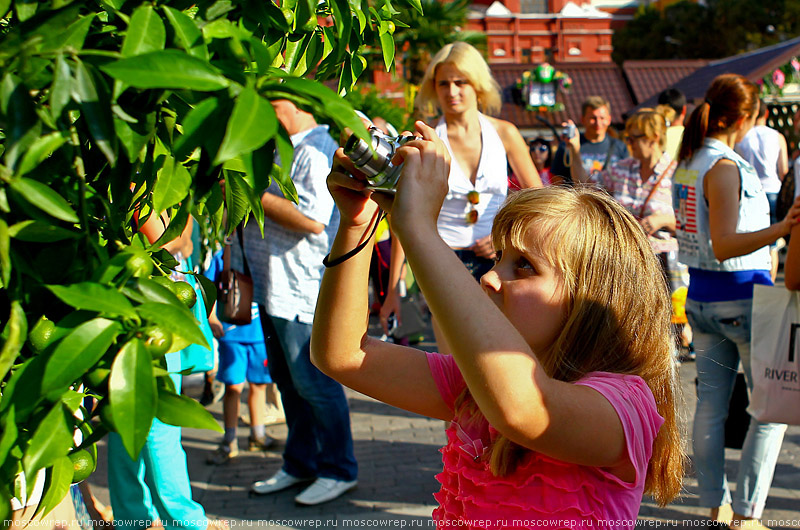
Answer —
691 210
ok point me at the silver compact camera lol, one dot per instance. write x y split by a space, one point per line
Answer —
374 159
569 131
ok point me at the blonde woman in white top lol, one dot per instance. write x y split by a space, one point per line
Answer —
459 87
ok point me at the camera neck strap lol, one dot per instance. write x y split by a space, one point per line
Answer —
328 262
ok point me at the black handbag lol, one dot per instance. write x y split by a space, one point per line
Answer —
738 420
235 288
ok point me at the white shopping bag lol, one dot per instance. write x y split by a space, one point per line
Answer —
775 355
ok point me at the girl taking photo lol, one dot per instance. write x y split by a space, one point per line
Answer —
560 390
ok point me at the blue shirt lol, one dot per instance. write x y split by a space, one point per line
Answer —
248 333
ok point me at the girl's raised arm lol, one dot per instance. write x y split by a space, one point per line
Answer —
340 346
565 421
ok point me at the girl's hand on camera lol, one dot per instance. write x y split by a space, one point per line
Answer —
348 188
422 186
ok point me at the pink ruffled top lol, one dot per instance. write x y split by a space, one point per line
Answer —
540 488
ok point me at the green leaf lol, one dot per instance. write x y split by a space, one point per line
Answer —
172 185
296 45
77 352
387 47
39 150
51 440
39 232
181 323
310 58
22 125
14 335
150 291
167 69
57 484
5 257
94 297
71 39
258 166
25 10
286 154
132 140
23 388
268 15
252 123
209 292
184 411
195 126
236 201
187 35
176 224
94 101
338 108
44 198
146 32
10 433
416 4
61 88
242 191
132 395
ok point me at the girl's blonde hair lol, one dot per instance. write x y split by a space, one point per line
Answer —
472 65
618 312
652 123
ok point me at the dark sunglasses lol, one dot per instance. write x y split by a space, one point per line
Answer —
539 147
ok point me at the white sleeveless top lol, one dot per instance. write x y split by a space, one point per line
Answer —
491 182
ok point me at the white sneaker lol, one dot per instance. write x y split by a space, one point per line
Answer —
324 490
277 482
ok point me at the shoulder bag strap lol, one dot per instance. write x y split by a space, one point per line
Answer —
240 233
226 256
608 154
655 188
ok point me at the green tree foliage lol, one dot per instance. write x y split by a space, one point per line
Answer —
420 36
112 111
711 30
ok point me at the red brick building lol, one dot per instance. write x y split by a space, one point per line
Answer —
562 31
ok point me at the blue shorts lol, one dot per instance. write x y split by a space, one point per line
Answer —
240 361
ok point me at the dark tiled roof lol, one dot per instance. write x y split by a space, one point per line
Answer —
753 65
588 79
649 78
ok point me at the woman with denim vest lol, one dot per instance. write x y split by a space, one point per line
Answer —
723 231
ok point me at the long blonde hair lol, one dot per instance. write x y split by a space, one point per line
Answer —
472 66
618 313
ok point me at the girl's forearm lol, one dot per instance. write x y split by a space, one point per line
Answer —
491 354
737 244
340 320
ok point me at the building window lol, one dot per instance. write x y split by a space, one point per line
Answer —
538 7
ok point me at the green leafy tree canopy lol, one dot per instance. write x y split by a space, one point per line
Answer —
113 112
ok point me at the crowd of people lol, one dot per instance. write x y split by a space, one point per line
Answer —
547 265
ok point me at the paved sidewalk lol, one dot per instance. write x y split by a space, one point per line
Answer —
398 457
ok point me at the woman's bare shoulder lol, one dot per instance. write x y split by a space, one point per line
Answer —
505 129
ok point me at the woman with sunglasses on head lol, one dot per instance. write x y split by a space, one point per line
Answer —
642 183
459 87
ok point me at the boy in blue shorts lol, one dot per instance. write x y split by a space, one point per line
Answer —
242 356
